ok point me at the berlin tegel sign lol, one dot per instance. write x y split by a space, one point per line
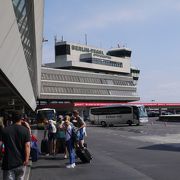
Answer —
89 104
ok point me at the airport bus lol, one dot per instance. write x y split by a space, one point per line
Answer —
45 113
118 114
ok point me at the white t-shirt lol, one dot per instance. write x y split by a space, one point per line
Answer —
53 126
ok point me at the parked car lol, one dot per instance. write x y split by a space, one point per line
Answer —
153 114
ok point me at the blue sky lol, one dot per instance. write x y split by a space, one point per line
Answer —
150 28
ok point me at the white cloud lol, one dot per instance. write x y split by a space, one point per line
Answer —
104 19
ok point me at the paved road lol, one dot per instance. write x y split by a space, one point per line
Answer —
146 152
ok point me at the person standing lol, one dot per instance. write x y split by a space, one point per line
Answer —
80 125
60 137
16 139
69 143
51 129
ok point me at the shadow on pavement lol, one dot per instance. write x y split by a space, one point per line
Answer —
47 166
51 158
163 147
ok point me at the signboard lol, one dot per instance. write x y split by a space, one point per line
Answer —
91 104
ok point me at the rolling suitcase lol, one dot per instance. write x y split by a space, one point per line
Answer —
34 154
83 154
44 146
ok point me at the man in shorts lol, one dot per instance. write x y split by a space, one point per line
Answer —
80 124
16 139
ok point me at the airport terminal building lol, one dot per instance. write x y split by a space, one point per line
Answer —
82 73
21 36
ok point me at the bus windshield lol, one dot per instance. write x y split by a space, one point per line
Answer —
142 111
46 114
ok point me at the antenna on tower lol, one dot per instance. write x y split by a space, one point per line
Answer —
55 39
62 38
86 39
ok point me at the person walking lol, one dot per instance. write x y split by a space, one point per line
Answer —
16 139
69 142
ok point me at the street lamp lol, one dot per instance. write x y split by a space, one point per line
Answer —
44 40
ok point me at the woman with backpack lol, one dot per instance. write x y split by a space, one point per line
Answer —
60 137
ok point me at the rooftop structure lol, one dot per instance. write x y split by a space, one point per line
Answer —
78 56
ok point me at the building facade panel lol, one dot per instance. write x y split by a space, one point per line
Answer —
85 85
73 85
50 73
17 64
87 98
39 22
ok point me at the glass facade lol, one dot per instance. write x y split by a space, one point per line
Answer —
102 62
24 11
120 53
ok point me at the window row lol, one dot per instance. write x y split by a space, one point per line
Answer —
123 93
102 62
111 110
69 90
123 83
72 90
60 77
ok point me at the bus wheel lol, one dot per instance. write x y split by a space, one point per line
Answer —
103 124
137 124
129 122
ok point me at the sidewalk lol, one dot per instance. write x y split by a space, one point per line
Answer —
54 168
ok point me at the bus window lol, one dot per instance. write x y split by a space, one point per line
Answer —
142 111
46 113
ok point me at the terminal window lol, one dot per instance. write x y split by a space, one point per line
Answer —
62 49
